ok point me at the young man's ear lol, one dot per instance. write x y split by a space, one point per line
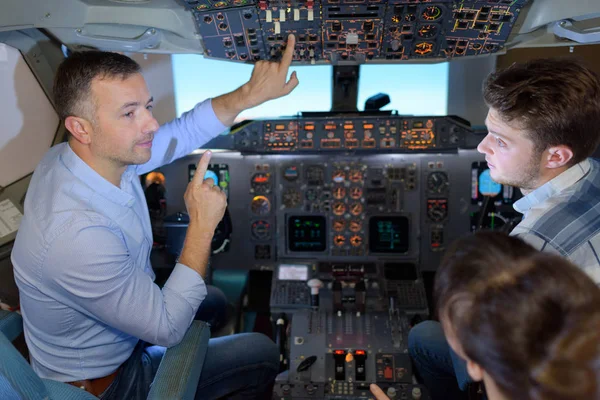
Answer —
557 156
80 129
475 371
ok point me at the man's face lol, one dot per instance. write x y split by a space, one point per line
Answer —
510 154
123 125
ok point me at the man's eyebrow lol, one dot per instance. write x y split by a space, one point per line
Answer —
136 103
496 133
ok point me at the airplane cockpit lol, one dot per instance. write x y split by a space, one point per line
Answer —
340 201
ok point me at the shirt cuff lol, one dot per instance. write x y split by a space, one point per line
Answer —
188 283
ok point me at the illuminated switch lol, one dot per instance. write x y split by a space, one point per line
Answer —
282 15
361 371
388 373
339 357
277 28
311 15
269 16
296 14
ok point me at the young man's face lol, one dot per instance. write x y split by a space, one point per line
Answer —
124 126
510 154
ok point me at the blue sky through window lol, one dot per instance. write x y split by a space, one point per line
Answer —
418 89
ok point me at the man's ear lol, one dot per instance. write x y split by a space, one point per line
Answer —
557 156
80 129
474 370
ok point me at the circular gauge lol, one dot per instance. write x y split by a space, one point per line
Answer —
291 198
339 208
424 48
339 193
487 186
260 205
355 226
261 182
428 31
356 209
437 182
314 175
431 13
427 136
339 240
356 175
356 193
261 230
339 225
356 241
437 211
410 17
338 176
290 173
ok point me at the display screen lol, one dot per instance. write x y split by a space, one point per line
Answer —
292 272
388 234
483 185
307 233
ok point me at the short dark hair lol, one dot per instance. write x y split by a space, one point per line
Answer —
556 100
73 80
530 319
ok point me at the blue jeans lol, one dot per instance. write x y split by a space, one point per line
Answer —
441 369
240 366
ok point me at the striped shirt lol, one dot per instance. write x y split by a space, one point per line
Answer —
563 216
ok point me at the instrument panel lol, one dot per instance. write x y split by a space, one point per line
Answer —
386 133
355 32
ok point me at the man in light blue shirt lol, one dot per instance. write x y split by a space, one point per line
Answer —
544 124
81 256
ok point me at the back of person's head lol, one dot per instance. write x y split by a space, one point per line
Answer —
73 80
556 101
530 320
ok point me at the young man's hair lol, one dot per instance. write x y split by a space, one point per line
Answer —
73 80
531 320
556 100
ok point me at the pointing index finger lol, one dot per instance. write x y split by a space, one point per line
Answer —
288 55
202 167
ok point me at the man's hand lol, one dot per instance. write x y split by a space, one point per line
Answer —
204 201
206 205
378 393
268 82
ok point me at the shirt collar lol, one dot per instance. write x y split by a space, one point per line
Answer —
552 187
94 180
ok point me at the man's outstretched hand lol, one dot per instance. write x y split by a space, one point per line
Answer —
267 82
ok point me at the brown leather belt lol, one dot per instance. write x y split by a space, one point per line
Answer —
96 386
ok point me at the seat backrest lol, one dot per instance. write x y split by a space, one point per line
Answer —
17 379
177 376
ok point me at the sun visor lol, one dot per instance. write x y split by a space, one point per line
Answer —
29 121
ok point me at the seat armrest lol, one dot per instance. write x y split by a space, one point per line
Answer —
179 371
11 324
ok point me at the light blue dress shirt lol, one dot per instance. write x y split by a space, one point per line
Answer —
82 260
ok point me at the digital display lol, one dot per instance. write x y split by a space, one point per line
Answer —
482 186
388 234
292 272
307 233
487 186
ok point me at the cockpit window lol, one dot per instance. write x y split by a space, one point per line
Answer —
413 89
197 78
